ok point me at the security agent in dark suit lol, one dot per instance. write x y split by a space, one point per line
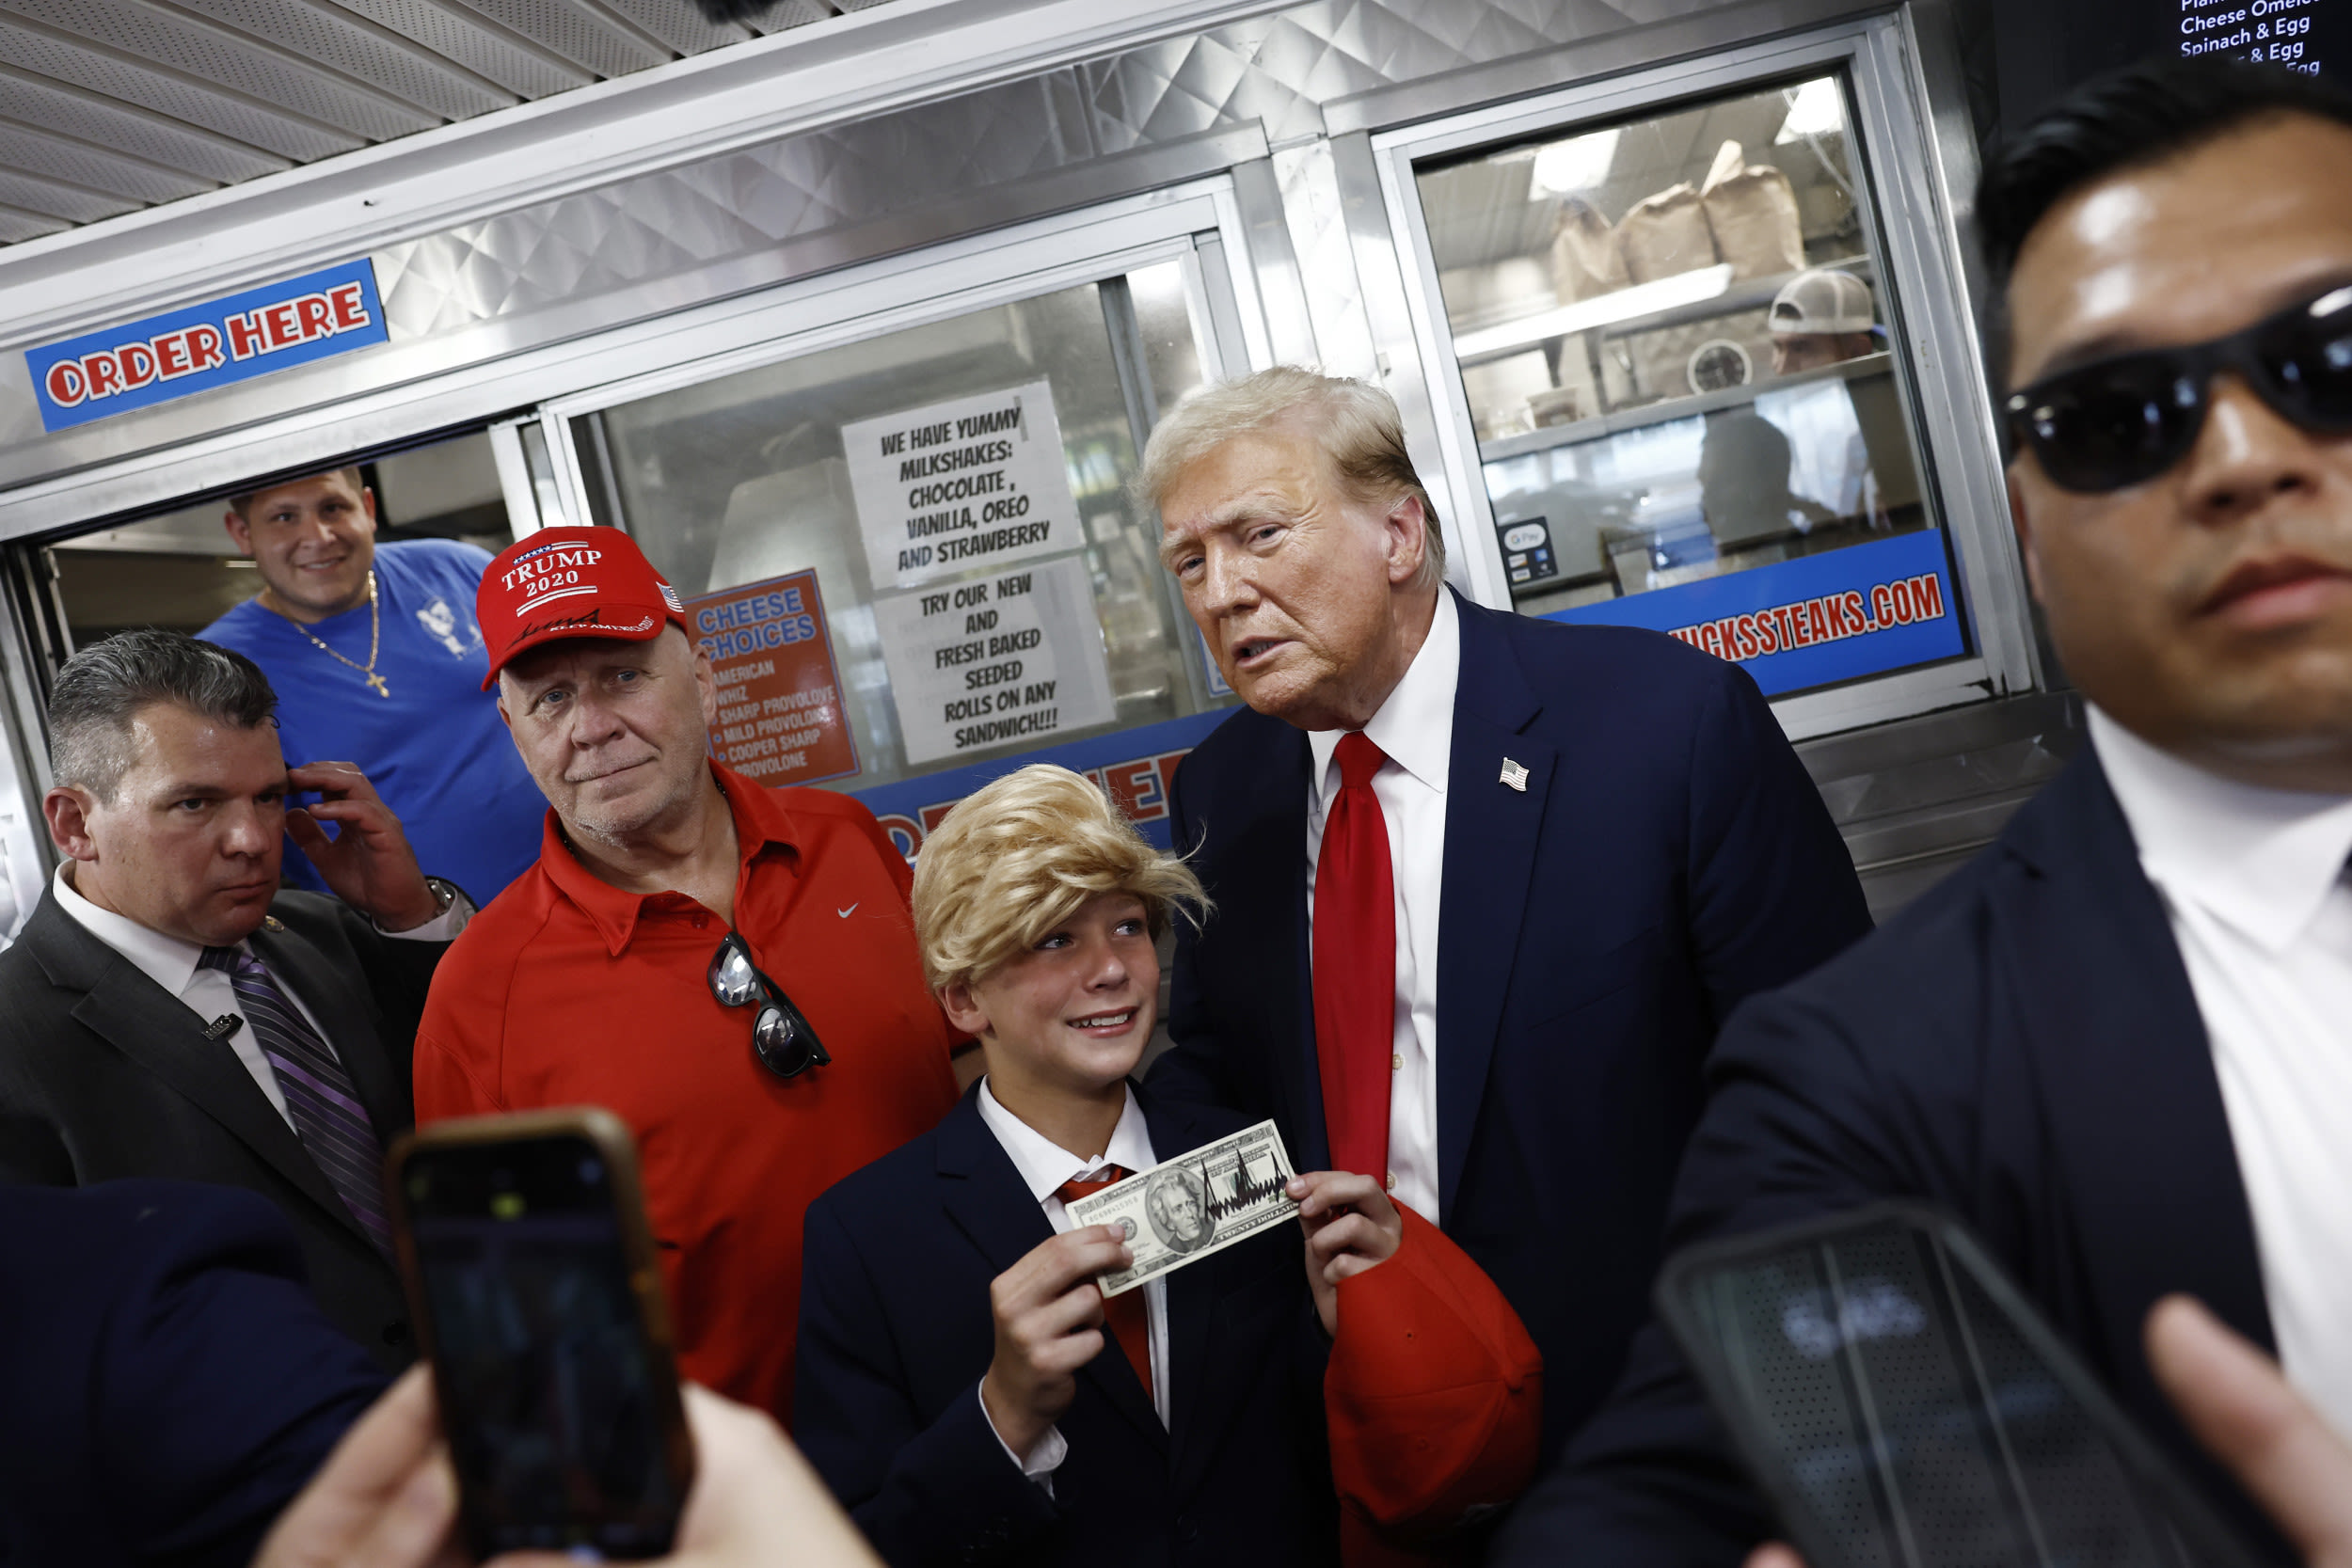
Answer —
171 1385
168 1011
2116 1043
1581 847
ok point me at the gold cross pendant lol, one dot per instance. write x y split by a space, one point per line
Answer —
381 689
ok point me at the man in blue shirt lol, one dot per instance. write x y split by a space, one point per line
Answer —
376 660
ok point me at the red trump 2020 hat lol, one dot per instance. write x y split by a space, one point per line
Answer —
563 582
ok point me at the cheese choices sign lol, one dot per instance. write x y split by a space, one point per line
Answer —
975 482
198 347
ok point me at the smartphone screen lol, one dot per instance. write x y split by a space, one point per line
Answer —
1906 1406
557 1402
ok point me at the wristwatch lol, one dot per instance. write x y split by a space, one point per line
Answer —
445 894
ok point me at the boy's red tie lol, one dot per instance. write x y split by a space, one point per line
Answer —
1130 1320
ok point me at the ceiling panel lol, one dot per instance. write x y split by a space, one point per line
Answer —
110 106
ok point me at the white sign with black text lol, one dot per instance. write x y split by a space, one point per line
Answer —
977 482
1016 655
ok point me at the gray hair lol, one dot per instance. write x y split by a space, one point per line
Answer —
105 686
1356 423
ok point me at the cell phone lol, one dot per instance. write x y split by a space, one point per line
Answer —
1903 1405
534 1283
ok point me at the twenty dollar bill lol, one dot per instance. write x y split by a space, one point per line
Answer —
1183 1210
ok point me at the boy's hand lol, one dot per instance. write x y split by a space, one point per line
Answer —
1351 1226
1049 1324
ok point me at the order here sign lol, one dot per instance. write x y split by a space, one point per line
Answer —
275 327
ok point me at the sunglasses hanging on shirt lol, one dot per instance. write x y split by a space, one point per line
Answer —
781 1036
2122 421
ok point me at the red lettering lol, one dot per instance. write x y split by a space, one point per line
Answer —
933 816
317 321
1767 635
1744 636
906 834
67 386
284 328
245 338
138 365
105 376
1134 788
204 347
1833 614
1881 608
1166 762
1711 639
1800 631
350 308
1781 620
1854 617
1903 608
1932 597
1817 622
172 355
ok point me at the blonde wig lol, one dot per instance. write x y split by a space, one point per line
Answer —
1355 422
1013 861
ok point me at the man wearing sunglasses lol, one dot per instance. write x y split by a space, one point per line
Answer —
730 968
2118 1044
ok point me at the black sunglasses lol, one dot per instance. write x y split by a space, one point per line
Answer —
2124 421
781 1034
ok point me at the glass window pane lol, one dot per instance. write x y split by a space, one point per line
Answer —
747 478
1672 335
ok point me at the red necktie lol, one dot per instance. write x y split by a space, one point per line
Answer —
1130 1321
1355 965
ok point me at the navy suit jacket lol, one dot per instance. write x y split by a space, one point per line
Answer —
896 1333
1668 857
2020 1047
166 1384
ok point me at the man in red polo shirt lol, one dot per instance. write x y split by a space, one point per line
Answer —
730 968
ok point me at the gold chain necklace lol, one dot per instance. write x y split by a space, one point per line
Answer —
375 628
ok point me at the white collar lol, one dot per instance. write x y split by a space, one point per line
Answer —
2262 861
1045 1166
167 960
1414 728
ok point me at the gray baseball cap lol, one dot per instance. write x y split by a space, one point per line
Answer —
1824 300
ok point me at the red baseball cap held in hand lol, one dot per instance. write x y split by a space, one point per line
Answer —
563 582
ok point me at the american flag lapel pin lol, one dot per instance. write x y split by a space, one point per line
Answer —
271 922
1515 774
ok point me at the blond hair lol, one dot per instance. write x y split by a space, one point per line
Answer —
1013 861
1355 422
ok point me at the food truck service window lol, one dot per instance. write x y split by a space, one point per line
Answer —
911 554
1669 342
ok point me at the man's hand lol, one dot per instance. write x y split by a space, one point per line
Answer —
1049 1324
385 1498
2233 1397
1351 1227
367 863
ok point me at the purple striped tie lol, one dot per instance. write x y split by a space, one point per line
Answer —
328 1116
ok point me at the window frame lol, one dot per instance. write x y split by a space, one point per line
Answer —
1939 368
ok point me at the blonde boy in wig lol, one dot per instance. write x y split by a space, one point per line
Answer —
961 1384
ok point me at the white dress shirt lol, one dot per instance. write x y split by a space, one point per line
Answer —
1045 1166
1414 729
2253 882
172 964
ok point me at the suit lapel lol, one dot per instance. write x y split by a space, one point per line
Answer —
988 1201
305 972
1261 906
1491 834
136 1016
2134 1108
